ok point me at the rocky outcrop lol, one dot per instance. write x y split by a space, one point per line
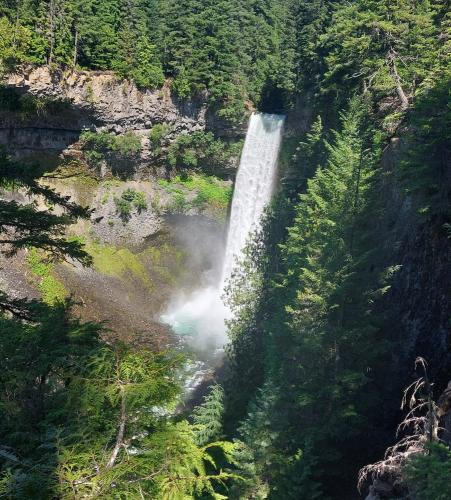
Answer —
103 100
73 101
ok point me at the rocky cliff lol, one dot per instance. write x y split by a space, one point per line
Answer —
99 101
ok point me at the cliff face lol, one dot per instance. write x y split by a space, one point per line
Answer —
98 101
416 307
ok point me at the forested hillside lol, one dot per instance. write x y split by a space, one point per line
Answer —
233 48
342 290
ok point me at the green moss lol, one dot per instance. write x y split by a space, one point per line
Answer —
118 263
210 191
159 257
75 171
52 290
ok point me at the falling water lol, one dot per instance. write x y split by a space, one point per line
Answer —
254 184
200 317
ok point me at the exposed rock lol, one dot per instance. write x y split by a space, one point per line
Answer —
99 101
105 100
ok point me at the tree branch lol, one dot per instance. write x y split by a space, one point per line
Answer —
121 432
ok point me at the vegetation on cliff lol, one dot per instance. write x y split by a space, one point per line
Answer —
309 391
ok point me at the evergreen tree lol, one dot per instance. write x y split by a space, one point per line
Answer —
381 46
316 339
208 416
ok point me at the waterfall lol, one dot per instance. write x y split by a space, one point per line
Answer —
200 317
254 184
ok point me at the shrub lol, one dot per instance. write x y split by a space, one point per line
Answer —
159 132
201 149
124 208
179 204
96 141
126 145
140 201
130 198
429 474
99 144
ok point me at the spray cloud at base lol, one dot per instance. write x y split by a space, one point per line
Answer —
199 317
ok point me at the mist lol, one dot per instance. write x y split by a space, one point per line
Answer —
196 311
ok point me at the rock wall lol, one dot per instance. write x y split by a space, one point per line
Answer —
99 101
102 99
416 307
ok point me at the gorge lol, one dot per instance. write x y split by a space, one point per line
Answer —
225 249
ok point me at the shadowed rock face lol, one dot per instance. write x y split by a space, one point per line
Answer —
103 99
98 101
93 101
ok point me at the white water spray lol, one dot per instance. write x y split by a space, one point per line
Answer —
201 316
254 184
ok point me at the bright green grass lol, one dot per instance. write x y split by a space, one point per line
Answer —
210 190
52 290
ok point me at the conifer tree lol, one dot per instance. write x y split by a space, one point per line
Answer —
208 416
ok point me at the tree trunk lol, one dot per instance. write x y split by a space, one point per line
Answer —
120 433
74 62
391 61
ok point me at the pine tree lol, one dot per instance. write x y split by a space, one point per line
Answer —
208 416
382 47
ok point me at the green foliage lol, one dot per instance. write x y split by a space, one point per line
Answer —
210 193
124 208
38 356
53 291
308 156
99 145
369 42
310 339
158 133
429 138
130 198
429 474
234 49
126 145
18 45
24 225
237 50
139 61
201 149
306 325
179 203
80 406
208 417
